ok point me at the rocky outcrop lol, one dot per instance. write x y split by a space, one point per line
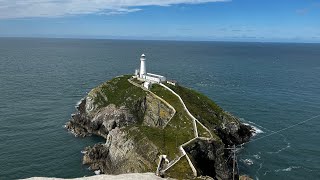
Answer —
101 123
209 158
157 113
124 151
232 131
133 123
122 154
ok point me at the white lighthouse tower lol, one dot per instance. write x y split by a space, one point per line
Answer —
147 78
143 71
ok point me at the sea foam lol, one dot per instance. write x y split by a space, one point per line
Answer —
247 161
255 130
287 169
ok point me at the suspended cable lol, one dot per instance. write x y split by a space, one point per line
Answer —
289 127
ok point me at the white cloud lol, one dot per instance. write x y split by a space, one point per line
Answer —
55 8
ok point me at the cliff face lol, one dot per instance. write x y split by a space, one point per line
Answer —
208 159
156 112
139 126
121 153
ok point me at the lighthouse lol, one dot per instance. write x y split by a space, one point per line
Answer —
147 78
143 71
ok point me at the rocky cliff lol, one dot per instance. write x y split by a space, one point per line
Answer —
141 125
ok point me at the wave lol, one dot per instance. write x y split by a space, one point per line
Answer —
255 130
79 102
287 169
250 122
247 161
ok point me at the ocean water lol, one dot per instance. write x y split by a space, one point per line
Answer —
269 85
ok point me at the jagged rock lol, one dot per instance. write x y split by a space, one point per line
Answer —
209 158
121 154
157 113
233 132
106 119
120 150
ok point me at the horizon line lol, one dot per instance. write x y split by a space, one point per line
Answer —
124 38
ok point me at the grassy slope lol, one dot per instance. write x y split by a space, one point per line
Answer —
178 131
120 92
181 170
203 132
200 106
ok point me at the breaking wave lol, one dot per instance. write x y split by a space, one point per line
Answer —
255 130
287 169
247 161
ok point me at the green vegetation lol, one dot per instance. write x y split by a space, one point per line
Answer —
137 81
178 131
100 100
167 96
200 106
181 170
163 139
202 131
121 92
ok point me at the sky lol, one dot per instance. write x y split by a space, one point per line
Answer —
203 20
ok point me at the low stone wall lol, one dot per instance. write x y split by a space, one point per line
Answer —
185 108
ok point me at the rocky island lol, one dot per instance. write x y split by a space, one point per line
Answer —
167 129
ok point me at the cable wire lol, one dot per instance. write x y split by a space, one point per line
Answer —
289 127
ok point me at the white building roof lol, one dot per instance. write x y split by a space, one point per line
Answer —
154 75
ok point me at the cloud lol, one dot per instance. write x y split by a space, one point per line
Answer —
56 8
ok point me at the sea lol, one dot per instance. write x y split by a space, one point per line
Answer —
274 87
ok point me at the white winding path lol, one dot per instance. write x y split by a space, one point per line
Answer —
195 120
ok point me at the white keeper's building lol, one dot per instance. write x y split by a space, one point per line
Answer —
148 78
